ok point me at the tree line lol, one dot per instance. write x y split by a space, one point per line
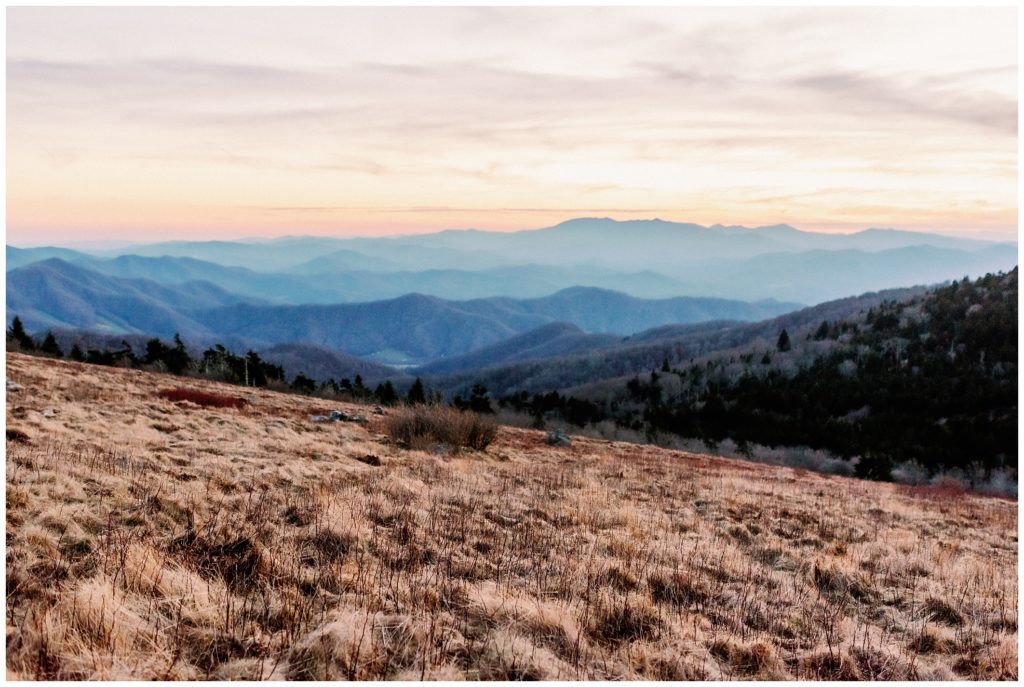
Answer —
217 363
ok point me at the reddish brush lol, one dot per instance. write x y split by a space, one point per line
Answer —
943 490
203 398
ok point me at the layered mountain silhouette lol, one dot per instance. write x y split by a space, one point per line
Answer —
411 329
468 299
645 258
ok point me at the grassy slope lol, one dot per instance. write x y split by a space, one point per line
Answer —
148 539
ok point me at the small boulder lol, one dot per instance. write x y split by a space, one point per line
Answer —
558 438
378 410
339 416
14 386
320 418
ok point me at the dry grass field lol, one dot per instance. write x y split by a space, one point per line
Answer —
154 538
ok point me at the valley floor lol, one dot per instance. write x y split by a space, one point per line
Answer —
149 539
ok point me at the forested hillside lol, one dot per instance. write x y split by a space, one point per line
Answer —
930 380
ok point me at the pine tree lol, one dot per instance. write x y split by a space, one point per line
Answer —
17 333
416 393
156 351
478 399
50 346
783 343
386 394
177 359
76 353
303 384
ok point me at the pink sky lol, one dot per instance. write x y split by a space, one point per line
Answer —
164 123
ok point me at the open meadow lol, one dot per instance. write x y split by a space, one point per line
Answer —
149 537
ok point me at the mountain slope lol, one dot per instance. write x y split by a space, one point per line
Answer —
647 350
616 560
930 380
547 341
417 329
321 363
407 330
819 275
19 257
54 293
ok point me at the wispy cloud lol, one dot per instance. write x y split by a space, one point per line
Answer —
385 118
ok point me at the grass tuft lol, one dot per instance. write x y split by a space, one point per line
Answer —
425 427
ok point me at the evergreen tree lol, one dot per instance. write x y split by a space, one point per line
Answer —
257 371
479 402
303 384
76 353
177 359
50 346
416 393
17 333
125 356
156 352
386 394
783 343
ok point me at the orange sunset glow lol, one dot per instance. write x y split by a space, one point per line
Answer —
165 123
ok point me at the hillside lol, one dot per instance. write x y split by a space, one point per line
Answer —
56 294
321 363
547 341
927 380
148 539
648 349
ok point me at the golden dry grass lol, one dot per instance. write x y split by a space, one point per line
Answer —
148 539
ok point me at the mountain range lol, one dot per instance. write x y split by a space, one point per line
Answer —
411 329
646 259
454 301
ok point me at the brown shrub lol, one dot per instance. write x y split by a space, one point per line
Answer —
676 589
17 436
326 546
425 426
837 584
240 562
626 622
202 398
746 660
946 489
833 667
930 642
939 610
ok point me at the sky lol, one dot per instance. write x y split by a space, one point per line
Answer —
144 124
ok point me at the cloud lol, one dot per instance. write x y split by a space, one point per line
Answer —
522 110
928 98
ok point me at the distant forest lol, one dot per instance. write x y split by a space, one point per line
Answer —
931 380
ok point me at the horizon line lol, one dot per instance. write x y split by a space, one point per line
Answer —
114 244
